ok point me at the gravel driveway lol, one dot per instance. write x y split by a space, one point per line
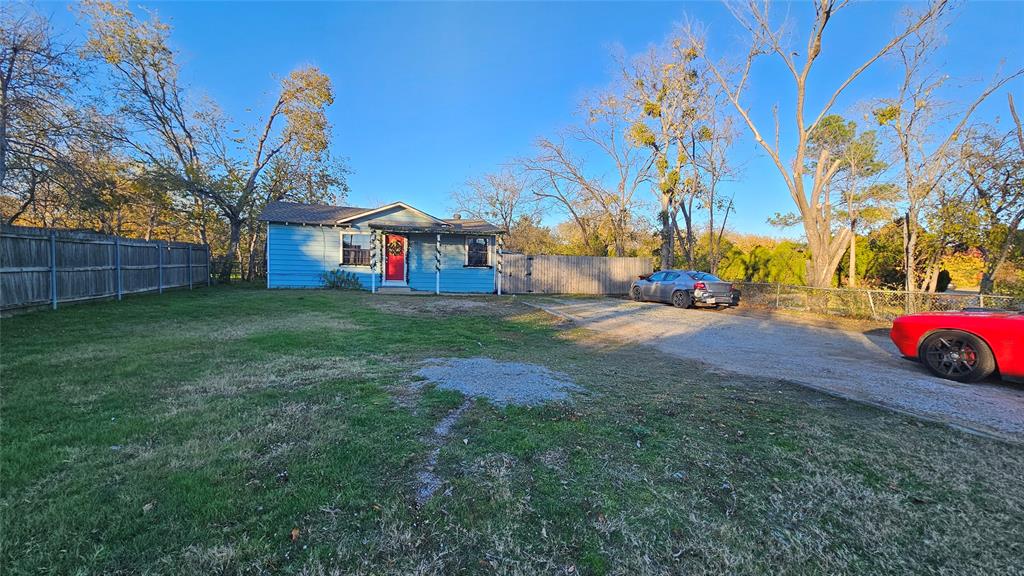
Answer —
863 367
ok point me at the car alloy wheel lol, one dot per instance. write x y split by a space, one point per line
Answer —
957 356
681 299
635 293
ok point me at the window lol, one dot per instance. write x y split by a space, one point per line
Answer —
477 253
657 277
355 249
704 277
670 276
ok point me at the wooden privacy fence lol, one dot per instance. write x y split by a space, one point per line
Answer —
523 274
46 266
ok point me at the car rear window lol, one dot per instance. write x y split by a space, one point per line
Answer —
705 277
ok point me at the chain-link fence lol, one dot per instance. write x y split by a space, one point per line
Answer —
860 303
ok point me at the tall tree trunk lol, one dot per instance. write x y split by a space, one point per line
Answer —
716 241
250 273
910 238
151 222
667 242
853 258
688 220
992 265
619 231
826 251
231 256
930 279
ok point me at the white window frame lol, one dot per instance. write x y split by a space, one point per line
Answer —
341 247
490 256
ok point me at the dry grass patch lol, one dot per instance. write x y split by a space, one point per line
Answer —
217 330
440 306
230 378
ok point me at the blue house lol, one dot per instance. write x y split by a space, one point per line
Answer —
394 246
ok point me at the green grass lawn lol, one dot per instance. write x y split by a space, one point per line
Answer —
197 432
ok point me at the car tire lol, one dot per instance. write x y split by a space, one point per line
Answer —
634 293
957 356
682 299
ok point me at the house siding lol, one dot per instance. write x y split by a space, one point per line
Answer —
455 277
299 255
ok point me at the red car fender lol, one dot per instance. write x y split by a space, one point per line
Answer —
1003 332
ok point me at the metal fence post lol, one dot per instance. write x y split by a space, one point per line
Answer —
208 265
981 300
778 293
117 265
53 268
159 268
189 256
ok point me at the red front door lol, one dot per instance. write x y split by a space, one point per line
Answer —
394 258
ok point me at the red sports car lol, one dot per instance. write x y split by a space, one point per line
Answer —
964 346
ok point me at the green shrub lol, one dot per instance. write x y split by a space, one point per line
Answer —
341 280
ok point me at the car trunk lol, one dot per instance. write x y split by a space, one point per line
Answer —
718 288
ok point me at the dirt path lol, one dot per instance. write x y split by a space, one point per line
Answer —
860 366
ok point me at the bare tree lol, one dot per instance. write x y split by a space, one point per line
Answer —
858 200
921 135
501 197
563 176
710 142
993 162
44 124
813 203
663 88
193 142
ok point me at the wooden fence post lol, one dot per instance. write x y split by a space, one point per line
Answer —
117 265
53 268
159 268
529 274
189 256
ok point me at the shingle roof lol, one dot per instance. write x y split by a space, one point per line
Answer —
450 227
297 213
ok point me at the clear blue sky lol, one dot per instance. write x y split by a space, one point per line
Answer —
430 94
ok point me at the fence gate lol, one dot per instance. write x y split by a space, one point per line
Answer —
524 274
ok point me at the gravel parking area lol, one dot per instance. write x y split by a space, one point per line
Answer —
861 366
503 383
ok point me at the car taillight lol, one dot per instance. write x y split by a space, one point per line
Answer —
700 286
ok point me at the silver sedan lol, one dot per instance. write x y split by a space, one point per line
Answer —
685 288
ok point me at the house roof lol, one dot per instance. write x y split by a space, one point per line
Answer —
389 207
448 227
323 214
296 213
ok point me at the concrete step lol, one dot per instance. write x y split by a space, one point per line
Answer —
397 290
